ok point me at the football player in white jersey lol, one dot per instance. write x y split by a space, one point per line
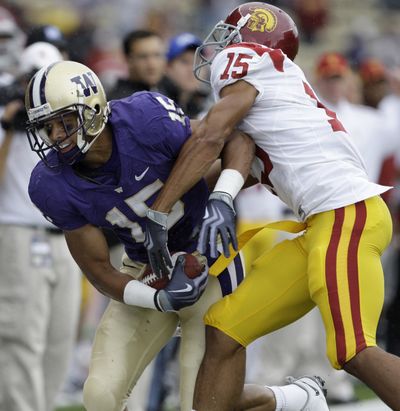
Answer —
305 156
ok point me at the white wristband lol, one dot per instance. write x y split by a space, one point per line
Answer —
230 181
139 294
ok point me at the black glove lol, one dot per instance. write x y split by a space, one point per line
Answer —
181 291
219 219
155 241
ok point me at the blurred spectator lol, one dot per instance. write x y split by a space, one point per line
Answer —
49 34
11 44
374 139
376 90
40 288
312 16
375 87
180 84
374 82
331 71
354 88
145 55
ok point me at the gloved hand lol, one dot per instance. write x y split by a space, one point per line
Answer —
156 238
219 219
182 290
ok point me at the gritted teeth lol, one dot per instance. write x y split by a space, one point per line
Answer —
64 144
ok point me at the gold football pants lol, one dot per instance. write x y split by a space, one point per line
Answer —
335 265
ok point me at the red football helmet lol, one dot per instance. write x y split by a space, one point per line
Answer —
253 22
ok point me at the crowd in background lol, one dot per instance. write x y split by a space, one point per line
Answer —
149 45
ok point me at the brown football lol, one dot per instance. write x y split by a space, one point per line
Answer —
150 279
193 267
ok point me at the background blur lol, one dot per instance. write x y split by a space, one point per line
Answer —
94 29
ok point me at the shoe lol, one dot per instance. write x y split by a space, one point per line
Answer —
316 392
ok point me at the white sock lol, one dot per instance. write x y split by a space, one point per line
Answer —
289 397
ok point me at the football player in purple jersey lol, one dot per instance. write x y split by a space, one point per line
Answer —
102 166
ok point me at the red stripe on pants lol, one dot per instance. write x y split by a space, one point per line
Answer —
352 272
331 283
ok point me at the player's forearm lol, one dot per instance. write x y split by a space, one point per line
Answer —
237 157
122 287
108 281
206 143
89 249
195 158
238 153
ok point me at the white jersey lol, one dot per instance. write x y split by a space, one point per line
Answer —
303 152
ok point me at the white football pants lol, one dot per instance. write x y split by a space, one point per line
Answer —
129 337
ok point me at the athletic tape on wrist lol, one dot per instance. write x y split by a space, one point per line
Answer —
139 294
230 181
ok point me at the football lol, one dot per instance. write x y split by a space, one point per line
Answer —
193 267
149 278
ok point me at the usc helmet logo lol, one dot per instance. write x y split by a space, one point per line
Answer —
262 20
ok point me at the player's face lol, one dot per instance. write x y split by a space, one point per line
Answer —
61 132
146 61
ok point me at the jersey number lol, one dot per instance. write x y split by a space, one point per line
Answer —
137 204
239 68
175 113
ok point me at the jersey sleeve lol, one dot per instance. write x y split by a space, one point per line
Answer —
170 127
156 123
52 201
257 65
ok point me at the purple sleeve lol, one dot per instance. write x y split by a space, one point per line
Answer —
154 121
174 128
52 200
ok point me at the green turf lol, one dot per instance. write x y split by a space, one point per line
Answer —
363 392
71 408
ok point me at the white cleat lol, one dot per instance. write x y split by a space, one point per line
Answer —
316 393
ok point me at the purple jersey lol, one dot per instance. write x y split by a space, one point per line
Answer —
148 132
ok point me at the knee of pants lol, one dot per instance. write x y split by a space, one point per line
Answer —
98 397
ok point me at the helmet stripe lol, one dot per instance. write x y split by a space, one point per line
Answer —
42 87
30 91
38 86
35 87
